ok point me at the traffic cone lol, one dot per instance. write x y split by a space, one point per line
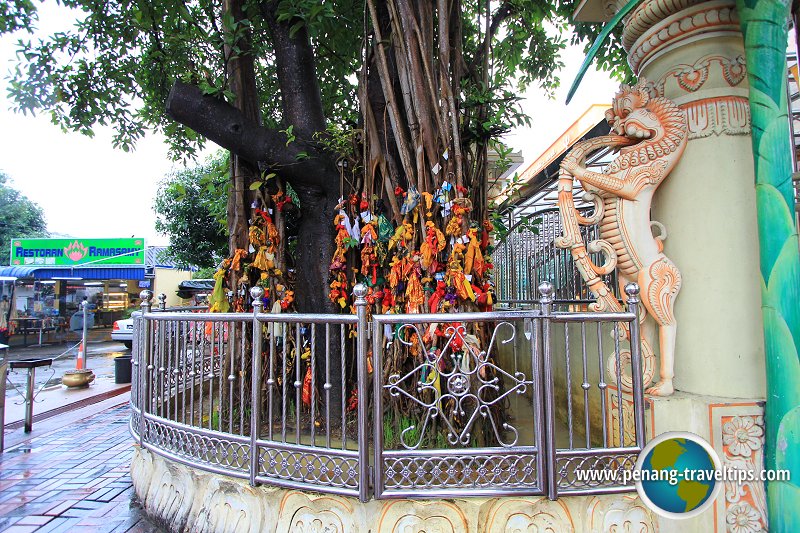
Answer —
79 362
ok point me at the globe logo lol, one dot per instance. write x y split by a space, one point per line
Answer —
678 475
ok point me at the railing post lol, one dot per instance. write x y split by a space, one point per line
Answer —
162 302
144 363
546 301
135 354
360 292
632 290
83 353
255 411
377 422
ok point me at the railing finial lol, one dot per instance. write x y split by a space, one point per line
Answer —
256 293
147 297
546 291
360 292
162 301
632 290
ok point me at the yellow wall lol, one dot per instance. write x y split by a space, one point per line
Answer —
167 281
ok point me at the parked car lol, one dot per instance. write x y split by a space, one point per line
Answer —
123 332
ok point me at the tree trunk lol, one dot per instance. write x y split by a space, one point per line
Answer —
242 81
316 234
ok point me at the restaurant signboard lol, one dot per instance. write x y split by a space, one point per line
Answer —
77 252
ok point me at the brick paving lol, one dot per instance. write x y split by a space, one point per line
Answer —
74 479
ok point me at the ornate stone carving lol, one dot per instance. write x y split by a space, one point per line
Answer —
719 115
228 505
304 512
184 499
651 135
515 515
743 445
165 489
655 33
408 516
738 436
195 500
615 396
648 14
626 514
691 78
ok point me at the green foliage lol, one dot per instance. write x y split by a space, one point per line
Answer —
117 61
204 273
19 217
503 161
190 208
502 231
528 47
16 14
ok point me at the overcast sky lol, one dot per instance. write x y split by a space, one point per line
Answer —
89 189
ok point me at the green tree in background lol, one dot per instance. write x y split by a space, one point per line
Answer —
19 217
190 210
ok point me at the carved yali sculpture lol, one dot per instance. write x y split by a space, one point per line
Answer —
650 134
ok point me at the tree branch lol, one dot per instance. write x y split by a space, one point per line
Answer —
503 12
300 163
297 74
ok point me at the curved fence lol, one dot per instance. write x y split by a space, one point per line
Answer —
391 406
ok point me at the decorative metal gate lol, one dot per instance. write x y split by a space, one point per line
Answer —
458 387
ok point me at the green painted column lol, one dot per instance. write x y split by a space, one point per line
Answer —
764 25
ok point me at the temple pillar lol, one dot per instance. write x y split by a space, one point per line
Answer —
692 52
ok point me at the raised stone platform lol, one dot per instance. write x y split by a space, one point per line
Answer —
187 499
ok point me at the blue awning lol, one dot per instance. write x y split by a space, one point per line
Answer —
49 272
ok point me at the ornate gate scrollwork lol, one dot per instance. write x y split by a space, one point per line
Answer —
462 376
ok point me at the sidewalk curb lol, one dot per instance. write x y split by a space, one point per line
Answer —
70 407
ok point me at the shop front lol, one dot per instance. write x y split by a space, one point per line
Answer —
49 278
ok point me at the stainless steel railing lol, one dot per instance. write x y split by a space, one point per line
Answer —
527 258
391 406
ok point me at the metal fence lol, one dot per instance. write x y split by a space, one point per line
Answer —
389 406
527 258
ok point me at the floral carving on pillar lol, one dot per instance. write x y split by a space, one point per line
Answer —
715 115
651 135
737 434
742 445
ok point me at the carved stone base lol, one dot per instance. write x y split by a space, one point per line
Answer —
734 428
186 499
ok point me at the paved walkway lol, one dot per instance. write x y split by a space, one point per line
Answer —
75 478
